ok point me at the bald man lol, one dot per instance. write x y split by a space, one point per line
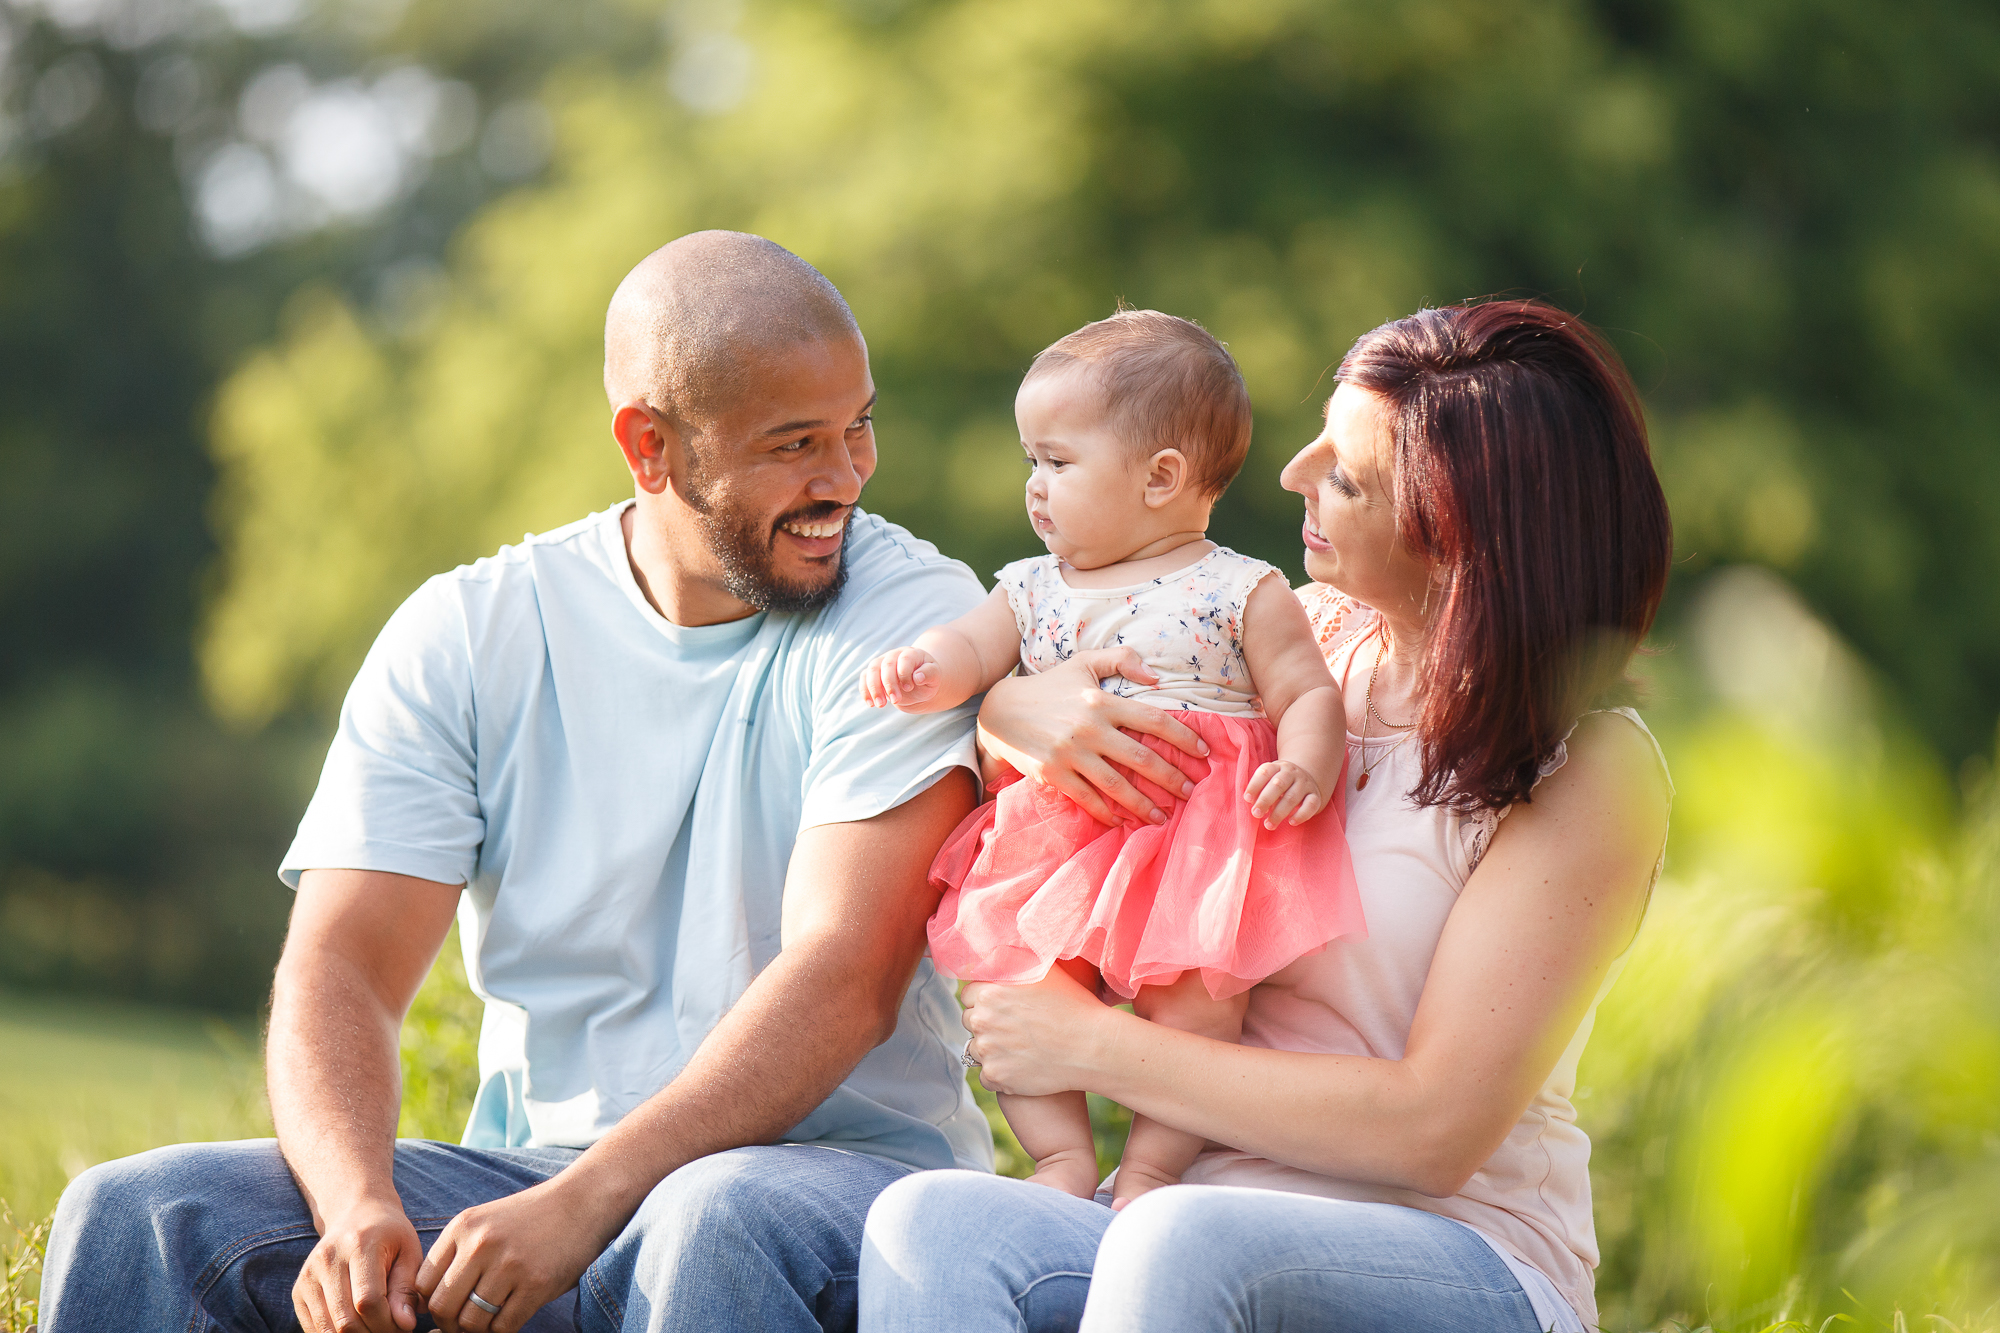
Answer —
689 870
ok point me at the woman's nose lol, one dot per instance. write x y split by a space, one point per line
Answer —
1294 477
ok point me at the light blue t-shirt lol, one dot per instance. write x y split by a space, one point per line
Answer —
620 796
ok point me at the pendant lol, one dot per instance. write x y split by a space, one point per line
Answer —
1362 782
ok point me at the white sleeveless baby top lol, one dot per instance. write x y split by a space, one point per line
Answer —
1531 1200
1187 625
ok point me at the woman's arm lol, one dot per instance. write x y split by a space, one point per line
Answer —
1300 698
1057 727
1555 901
949 664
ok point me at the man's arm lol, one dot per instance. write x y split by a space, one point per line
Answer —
856 899
359 946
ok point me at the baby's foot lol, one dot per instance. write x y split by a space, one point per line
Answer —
1071 1170
1136 1178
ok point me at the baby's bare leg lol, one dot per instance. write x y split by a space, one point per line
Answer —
1056 1132
1154 1154
1055 1129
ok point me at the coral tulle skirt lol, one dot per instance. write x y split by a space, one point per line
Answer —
1030 878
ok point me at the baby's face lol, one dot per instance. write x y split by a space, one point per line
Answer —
1086 490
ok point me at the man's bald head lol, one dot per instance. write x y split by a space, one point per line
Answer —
687 326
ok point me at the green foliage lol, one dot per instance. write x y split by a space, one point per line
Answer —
440 1051
1792 1090
20 1271
1784 258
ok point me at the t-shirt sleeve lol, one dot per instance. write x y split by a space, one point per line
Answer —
865 760
399 792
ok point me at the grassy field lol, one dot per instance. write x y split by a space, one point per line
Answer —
89 1082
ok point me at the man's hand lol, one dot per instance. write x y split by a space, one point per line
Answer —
360 944
362 1274
902 676
518 1253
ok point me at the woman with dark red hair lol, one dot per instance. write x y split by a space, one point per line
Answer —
1393 1144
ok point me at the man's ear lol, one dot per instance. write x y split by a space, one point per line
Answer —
651 445
1167 475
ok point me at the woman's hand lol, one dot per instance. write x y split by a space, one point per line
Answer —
1057 727
1037 1039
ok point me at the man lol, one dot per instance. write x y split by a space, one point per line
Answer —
689 869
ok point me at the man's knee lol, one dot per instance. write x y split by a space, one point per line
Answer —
745 1191
188 1178
165 1223
726 1192
772 1233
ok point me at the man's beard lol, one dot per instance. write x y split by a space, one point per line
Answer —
745 551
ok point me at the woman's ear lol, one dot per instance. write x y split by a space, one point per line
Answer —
1167 475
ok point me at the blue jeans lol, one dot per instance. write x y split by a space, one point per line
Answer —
978 1254
212 1236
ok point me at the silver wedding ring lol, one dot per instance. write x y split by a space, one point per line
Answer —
482 1302
965 1056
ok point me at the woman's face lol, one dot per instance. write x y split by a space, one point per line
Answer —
1348 479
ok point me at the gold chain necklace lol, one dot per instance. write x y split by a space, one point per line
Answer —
1368 712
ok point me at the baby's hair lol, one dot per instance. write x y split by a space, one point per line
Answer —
1167 384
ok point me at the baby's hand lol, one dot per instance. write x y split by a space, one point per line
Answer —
901 676
1280 789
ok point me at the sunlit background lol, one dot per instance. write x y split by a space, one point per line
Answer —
301 301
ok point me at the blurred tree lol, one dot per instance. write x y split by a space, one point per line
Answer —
138 838
1784 214
124 815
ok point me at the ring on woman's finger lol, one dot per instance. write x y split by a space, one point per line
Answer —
965 1057
482 1302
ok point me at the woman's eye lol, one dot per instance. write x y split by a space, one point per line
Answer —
1338 480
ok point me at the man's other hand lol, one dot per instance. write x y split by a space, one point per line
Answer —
362 1274
518 1253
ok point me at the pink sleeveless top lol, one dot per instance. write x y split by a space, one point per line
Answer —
1532 1197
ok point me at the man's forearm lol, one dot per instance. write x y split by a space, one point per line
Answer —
800 1028
854 930
334 1083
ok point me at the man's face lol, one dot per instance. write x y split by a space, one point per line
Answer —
774 478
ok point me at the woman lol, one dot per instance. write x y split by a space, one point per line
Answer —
1488 544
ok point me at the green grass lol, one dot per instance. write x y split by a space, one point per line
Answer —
88 1082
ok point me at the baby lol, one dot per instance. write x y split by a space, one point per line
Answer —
1133 427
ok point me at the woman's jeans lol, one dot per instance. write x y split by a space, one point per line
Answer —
211 1236
975 1253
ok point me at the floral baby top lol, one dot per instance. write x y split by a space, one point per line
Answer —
1187 625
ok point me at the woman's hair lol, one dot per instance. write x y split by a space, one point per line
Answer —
1523 476
1167 384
